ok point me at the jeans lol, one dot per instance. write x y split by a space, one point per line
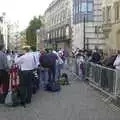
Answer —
59 69
43 77
26 86
52 73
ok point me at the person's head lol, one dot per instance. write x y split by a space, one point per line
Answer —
26 49
46 50
118 52
60 53
8 52
1 47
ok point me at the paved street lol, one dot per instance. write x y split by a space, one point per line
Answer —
75 102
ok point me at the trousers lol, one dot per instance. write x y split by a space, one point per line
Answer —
26 86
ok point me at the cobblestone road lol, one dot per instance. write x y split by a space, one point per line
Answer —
77 101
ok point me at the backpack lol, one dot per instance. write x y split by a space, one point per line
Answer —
46 61
53 87
63 79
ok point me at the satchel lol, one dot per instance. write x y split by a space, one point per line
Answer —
53 87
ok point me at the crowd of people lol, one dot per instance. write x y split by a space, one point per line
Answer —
29 71
109 59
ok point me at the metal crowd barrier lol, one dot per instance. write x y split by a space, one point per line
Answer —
105 79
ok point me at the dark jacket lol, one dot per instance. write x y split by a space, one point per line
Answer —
95 58
108 62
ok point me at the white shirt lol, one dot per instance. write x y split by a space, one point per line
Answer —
80 59
59 60
26 62
117 62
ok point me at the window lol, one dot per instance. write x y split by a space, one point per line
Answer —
90 7
73 9
76 9
103 14
117 11
108 13
79 7
84 7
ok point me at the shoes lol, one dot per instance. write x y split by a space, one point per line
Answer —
28 101
23 104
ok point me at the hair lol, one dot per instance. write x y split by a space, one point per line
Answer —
26 49
46 50
118 51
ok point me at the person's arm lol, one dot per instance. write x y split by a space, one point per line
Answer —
116 62
19 60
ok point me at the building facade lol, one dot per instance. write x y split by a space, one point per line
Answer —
111 25
87 24
58 24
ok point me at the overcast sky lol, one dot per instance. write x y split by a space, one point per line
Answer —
23 10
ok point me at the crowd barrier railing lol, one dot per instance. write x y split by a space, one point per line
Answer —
103 78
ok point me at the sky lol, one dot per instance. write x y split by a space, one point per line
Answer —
23 10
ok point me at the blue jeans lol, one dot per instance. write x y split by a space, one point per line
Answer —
59 68
43 77
52 73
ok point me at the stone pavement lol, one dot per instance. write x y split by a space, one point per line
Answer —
77 101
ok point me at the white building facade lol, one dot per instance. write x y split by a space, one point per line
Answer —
87 24
58 23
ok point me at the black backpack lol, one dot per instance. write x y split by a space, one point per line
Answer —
46 60
53 87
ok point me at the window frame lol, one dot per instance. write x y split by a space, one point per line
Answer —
117 11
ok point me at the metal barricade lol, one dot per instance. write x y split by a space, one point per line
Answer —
72 65
103 78
108 80
117 84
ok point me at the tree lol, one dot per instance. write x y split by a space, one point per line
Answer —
34 24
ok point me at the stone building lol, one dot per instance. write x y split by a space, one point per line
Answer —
111 25
58 24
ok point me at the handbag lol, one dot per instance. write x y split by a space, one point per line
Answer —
8 99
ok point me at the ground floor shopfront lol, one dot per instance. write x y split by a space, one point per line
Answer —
59 43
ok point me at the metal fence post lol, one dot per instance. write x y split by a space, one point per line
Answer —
116 84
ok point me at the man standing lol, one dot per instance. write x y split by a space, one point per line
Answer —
95 57
52 70
4 79
27 65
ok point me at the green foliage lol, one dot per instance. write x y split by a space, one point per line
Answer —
34 24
